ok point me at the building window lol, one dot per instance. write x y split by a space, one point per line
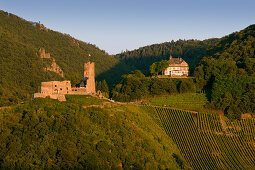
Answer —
55 85
61 89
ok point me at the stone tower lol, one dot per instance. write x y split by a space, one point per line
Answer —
89 76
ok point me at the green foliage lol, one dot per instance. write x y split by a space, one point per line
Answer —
153 69
73 77
190 50
235 94
178 160
187 85
185 100
48 134
136 86
22 69
228 74
103 87
208 141
159 67
83 100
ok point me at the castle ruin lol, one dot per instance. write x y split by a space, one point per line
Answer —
58 89
50 63
54 89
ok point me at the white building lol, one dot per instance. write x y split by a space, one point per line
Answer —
177 68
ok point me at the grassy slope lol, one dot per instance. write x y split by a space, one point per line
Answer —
47 133
186 101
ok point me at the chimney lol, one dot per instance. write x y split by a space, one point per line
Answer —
170 58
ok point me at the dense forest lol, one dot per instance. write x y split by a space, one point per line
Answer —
48 134
190 50
21 66
227 73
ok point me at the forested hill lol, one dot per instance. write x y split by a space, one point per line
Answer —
228 73
190 50
22 69
238 46
233 54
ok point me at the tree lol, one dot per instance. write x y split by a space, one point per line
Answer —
158 67
163 65
98 85
103 87
153 69
138 74
187 85
73 78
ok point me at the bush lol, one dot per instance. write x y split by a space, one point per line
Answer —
187 85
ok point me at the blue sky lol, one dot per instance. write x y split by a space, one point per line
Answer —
117 25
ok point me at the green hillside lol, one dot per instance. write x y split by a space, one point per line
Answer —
224 68
21 66
83 133
227 73
190 50
184 101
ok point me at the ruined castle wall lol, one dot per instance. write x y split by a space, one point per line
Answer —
78 91
53 66
43 54
54 89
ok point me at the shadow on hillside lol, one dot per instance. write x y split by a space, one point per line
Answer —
113 75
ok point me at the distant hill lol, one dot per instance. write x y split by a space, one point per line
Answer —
21 66
191 51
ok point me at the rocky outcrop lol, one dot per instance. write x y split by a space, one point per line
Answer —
49 63
43 54
42 27
75 43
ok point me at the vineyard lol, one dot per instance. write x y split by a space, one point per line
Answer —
186 100
208 141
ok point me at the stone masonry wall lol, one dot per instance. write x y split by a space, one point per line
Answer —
89 72
54 89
